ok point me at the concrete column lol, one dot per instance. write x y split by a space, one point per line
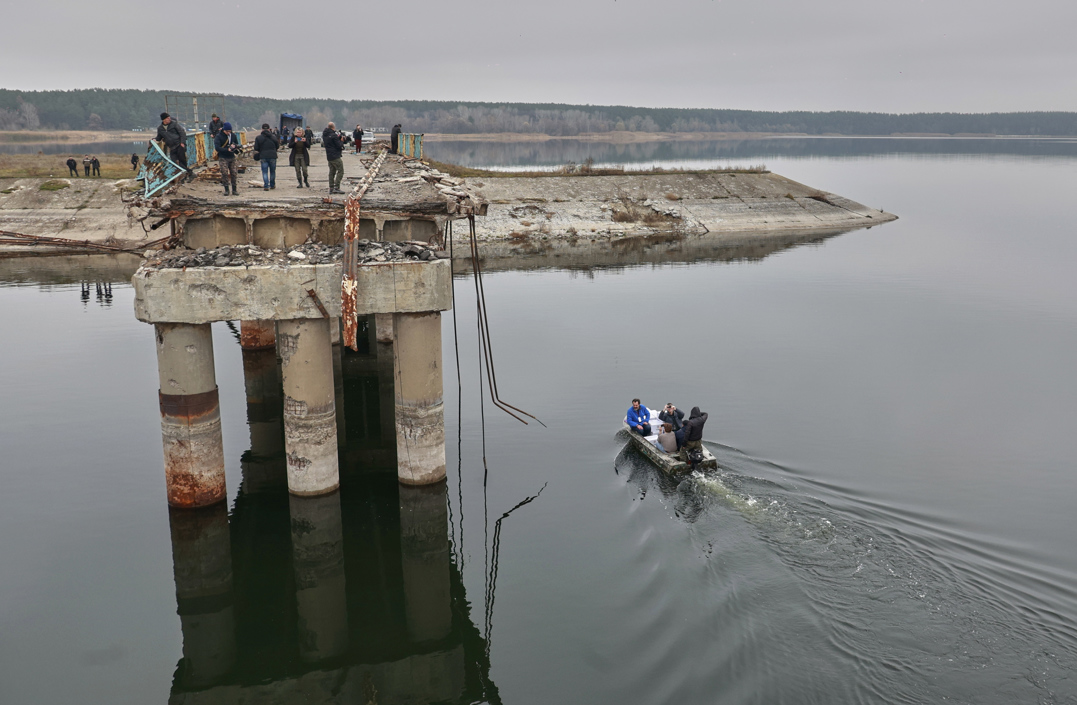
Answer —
318 562
383 327
310 425
424 544
190 415
257 335
338 379
263 465
420 414
202 566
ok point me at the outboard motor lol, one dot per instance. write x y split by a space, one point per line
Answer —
695 458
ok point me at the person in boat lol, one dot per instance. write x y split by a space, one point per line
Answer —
667 440
672 415
693 431
639 418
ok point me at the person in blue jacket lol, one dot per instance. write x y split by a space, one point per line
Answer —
639 418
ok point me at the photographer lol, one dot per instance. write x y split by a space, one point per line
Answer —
227 145
673 416
175 139
300 156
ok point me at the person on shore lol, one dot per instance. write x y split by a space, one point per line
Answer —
175 139
394 138
72 167
265 147
334 149
215 125
693 431
639 418
95 166
666 441
300 157
86 164
134 161
357 137
227 145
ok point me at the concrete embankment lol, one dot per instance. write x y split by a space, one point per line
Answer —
75 208
525 215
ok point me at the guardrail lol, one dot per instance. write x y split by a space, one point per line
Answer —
410 145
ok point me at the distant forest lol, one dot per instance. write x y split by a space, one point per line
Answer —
101 109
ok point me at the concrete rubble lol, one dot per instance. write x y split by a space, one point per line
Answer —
308 253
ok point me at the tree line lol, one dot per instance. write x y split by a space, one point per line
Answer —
114 109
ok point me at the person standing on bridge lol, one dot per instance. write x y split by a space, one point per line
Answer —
72 167
266 146
175 139
357 137
334 150
394 138
227 145
300 157
215 126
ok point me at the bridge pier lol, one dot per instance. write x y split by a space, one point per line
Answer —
257 335
420 414
190 415
263 465
310 417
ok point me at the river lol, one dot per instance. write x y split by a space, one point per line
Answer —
892 410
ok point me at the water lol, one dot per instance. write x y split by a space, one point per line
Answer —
892 410
104 147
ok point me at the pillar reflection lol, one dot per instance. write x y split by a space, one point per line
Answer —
318 563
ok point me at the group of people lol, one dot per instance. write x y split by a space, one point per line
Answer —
266 147
675 435
90 164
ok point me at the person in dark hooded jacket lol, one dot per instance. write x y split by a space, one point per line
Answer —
394 139
693 431
334 148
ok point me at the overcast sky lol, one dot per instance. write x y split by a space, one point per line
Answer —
891 56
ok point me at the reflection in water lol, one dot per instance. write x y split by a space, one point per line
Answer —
347 597
712 153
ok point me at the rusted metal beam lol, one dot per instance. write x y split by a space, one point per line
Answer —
348 286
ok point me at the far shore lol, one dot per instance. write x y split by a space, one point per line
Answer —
621 137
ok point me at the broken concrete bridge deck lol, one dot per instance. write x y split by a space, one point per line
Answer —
407 200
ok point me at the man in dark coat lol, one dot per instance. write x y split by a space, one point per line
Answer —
357 137
693 431
175 139
72 166
215 125
672 415
134 161
227 145
334 149
394 139
95 165
266 146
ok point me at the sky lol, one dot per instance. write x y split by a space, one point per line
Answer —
872 55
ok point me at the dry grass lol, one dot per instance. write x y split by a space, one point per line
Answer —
53 185
629 211
41 166
673 197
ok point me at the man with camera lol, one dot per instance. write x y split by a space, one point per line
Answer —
334 150
175 139
227 145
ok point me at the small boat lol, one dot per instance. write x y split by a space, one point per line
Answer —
669 462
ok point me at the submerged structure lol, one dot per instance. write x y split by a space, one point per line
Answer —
302 272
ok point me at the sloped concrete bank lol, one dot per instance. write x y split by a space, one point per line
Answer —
529 208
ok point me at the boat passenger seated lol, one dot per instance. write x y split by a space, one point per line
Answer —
639 418
693 431
667 440
673 415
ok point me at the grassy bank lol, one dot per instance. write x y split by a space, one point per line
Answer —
22 166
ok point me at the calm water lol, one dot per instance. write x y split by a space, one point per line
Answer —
893 410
